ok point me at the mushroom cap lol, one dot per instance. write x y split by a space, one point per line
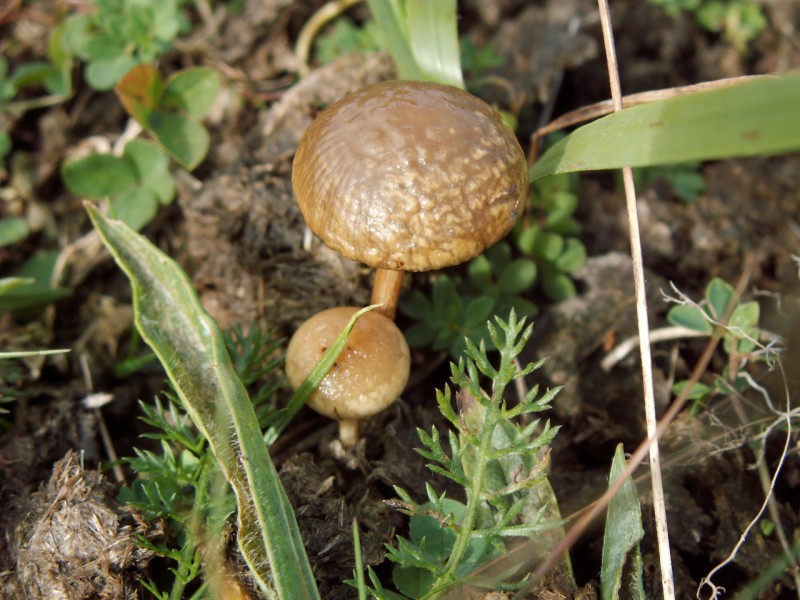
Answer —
410 175
370 373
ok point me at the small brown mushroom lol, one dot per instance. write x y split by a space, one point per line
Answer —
369 374
409 176
402 176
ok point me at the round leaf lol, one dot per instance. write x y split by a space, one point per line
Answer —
557 286
573 257
518 276
136 207
194 91
99 175
185 139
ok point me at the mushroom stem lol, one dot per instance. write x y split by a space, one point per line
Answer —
386 291
348 432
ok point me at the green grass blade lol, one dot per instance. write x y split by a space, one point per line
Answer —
433 35
191 349
757 117
621 570
314 379
391 19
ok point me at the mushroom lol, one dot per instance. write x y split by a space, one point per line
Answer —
409 176
406 176
369 374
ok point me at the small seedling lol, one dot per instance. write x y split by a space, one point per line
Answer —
548 235
739 21
139 181
120 34
685 179
740 338
495 460
459 307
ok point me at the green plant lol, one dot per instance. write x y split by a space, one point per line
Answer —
120 34
139 181
497 280
548 235
493 458
346 37
739 21
685 179
739 340
458 308
29 289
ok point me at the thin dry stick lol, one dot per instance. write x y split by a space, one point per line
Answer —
659 506
638 456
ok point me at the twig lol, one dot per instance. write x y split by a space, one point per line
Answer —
659 504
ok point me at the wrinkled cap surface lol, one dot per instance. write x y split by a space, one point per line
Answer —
370 373
410 175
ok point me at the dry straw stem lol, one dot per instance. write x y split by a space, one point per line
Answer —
637 457
659 504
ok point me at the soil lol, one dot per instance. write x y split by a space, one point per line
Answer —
237 231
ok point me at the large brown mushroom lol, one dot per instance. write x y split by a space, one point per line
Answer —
409 176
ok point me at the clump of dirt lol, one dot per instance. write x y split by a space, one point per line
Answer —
71 541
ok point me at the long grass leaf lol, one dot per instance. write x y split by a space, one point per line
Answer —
433 34
755 117
191 349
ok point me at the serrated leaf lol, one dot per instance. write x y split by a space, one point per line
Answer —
621 570
756 117
192 351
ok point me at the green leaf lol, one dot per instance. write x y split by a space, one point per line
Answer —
447 302
9 283
421 334
184 138
621 570
192 351
557 286
480 271
135 207
103 74
13 230
25 300
756 117
689 317
152 166
718 295
193 91
477 312
699 390
433 36
573 257
416 305
140 91
518 276
391 18
549 246
99 175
